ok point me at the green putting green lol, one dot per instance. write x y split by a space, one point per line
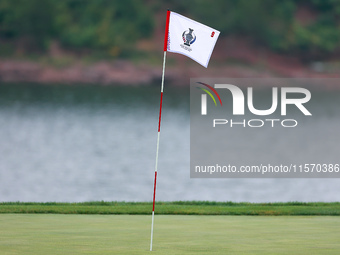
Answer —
51 234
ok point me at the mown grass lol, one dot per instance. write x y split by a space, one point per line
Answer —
175 208
57 234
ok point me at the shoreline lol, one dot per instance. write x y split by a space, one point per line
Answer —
125 72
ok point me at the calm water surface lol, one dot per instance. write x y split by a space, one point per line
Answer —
82 143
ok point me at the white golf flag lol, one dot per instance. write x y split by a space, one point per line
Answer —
190 38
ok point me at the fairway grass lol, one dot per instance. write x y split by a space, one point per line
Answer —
173 234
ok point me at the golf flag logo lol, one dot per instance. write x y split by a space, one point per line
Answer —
189 38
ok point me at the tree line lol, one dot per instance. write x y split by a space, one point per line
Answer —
304 27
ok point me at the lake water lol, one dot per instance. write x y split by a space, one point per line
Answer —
84 143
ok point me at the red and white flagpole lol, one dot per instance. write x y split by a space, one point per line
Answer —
159 123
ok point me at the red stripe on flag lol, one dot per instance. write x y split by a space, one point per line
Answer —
160 113
166 30
154 192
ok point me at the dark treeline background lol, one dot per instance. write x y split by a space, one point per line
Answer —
306 28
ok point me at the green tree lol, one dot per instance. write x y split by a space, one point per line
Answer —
30 21
93 24
102 24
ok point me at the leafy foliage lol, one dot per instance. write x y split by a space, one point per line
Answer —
276 24
303 27
102 24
